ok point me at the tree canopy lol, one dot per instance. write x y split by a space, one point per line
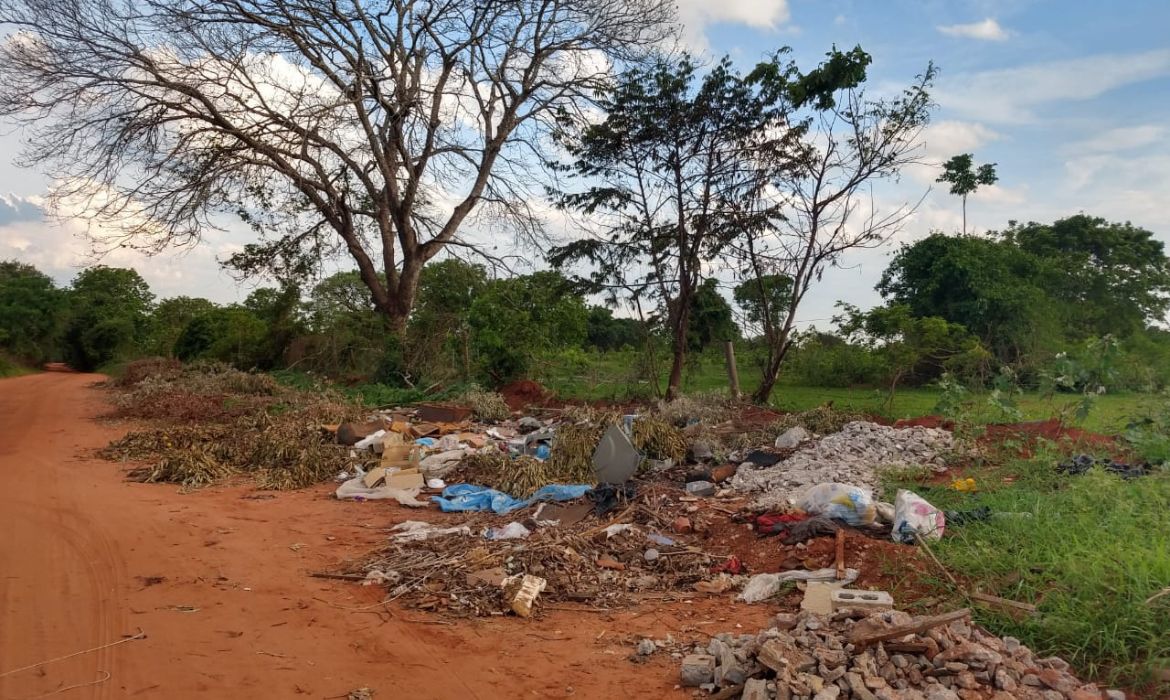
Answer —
333 128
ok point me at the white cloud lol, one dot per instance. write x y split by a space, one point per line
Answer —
987 30
697 15
1012 95
1123 138
941 140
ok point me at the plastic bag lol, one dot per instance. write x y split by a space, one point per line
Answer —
914 518
764 586
511 531
850 504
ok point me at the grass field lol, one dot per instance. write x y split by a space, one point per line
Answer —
1089 551
616 376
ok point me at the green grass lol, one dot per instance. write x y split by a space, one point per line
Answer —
9 368
618 376
1088 551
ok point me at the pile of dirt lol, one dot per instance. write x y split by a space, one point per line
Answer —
525 392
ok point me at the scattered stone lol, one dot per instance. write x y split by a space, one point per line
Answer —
792 438
850 456
646 647
700 488
756 689
1115 695
682 525
697 669
783 656
528 424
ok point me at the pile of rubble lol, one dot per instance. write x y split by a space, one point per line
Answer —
886 655
851 456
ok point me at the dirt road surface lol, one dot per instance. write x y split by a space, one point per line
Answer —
216 581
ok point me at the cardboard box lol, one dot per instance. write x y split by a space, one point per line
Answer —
400 455
406 479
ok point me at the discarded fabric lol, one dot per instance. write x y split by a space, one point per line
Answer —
470 497
914 518
963 517
1083 463
606 497
803 531
762 459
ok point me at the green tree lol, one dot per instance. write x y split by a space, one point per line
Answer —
110 316
764 300
668 173
32 313
711 319
988 286
1113 278
964 178
512 320
233 334
282 314
168 320
439 334
604 331
922 347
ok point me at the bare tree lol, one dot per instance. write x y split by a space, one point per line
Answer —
377 130
812 214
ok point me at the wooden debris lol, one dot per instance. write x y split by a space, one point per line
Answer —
862 636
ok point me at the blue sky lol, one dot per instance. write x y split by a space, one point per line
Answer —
1070 99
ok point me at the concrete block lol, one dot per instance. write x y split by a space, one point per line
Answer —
857 599
756 689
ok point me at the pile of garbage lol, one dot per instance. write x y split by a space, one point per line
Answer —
852 456
609 546
878 655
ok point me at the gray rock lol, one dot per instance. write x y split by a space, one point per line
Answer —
792 438
646 647
701 450
527 424
935 692
696 670
1115 695
701 488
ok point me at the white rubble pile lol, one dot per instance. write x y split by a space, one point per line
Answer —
852 456
810 657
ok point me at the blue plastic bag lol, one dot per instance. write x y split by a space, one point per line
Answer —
470 497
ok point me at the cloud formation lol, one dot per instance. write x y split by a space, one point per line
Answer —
1013 95
987 30
697 15
14 208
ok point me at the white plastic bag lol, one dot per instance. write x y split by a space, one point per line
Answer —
764 586
914 518
850 504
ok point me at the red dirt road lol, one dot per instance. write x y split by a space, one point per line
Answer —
234 614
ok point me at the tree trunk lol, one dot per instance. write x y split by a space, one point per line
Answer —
679 351
764 390
964 215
